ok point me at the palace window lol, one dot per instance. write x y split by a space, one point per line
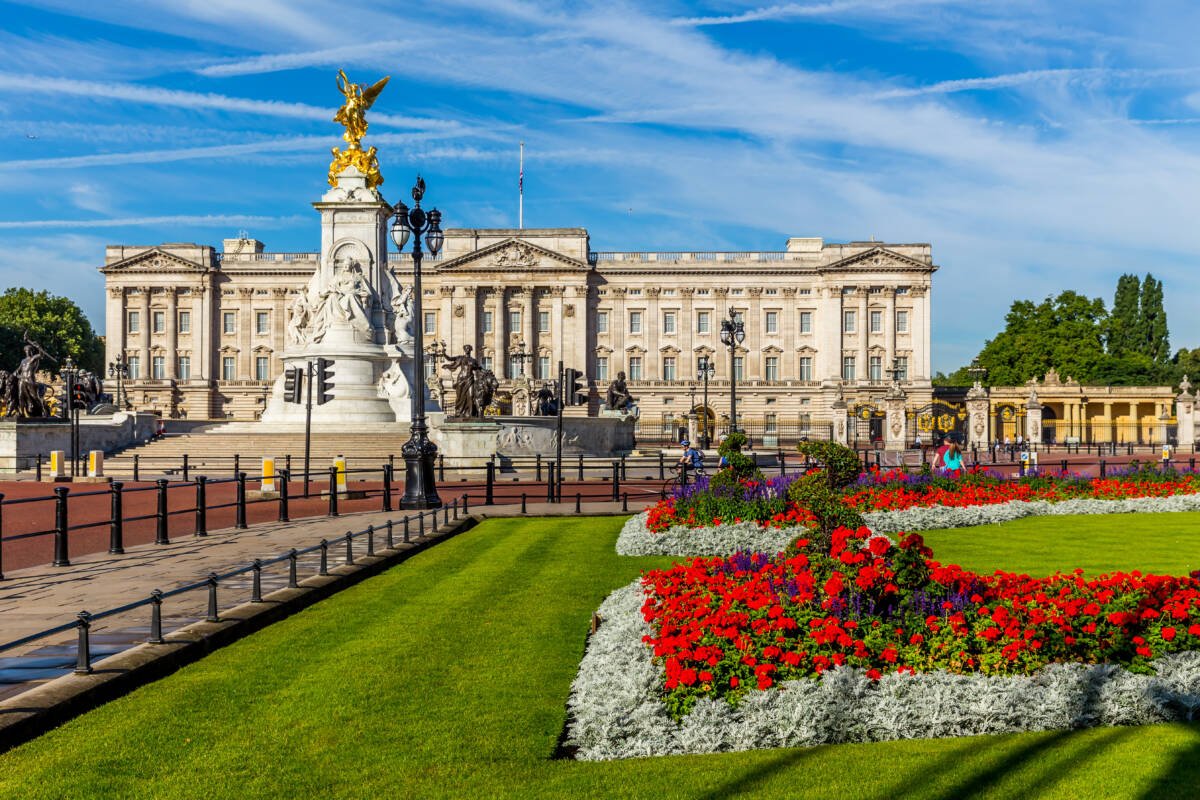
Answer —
876 368
160 321
806 368
771 292
185 322
134 324
262 322
135 367
902 368
602 368
703 321
805 322
739 363
228 368
739 316
601 322
262 368
635 368
183 368
635 292
772 424
804 291
487 322
635 322
901 322
771 368
848 322
228 321
737 291
848 368
876 322
772 322
486 362
158 367
514 321
543 322
430 321
702 291
668 322
544 367
668 366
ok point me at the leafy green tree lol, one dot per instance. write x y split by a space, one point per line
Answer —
1156 341
1065 333
1124 323
56 323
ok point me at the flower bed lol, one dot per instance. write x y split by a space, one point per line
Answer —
616 708
637 539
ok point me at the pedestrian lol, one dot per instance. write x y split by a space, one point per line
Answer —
953 461
939 457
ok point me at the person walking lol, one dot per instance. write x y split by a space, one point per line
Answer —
953 461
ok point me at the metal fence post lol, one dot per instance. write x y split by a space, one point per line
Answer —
433 528
237 464
387 487
287 463
39 468
625 502
333 498
293 556
61 527
156 636
783 461
370 540
212 599
441 468
523 511
489 493
136 467
256 584
161 535
349 548
240 521
466 503
578 500
579 474
624 471
550 482
616 479
284 511
324 569
662 466
83 652
1103 467
185 466
116 530
539 468
406 530
201 506
391 540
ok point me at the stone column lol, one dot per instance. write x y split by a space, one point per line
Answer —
828 324
114 324
471 319
789 368
279 311
172 331
529 323
445 330
557 323
652 339
1185 415
889 327
862 361
144 337
581 333
1033 421
245 333
687 333
839 415
500 328
617 324
1135 424
205 332
977 416
754 335
895 433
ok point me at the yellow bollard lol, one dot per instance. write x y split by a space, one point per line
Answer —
340 464
268 475
95 464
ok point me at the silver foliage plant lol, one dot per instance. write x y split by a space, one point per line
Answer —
616 712
921 519
716 540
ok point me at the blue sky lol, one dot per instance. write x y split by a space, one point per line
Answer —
1038 146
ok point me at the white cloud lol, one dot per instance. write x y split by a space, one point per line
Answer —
787 11
203 220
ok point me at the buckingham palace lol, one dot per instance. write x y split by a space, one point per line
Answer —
203 329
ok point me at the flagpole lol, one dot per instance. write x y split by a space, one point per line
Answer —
521 192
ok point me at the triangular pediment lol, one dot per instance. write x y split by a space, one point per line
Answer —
154 260
513 254
879 259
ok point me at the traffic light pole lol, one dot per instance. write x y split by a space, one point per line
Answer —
308 380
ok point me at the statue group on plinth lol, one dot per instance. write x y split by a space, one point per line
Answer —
474 386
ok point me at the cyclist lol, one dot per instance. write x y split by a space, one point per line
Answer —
692 458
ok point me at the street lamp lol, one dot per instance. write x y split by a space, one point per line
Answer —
119 369
520 355
705 369
420 489
70 376
733 333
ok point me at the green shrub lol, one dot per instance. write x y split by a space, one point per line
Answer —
814 493
741 466
841 464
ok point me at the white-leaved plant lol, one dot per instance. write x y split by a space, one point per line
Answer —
716 540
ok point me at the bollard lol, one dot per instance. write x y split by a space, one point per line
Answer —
349 548
392 460
201 506
466 502
213 616
406 530
662 467
579 473
287 462
284 512
625 501
324 569
1064 466
445 515
539 467
39 468
420 524
454 505
256 583
240 515
1022 470
391 541
616 479
523 503
61 526
116 530
782 462
185 466
339 464
333 493
268 480
136 465
489 497
578 500
441 467
370 540
237 464
160 513
1103 467
433 528
156 636
293 556
624 473
387 487
83 653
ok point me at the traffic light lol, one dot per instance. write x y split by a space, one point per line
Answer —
79 396
324 380
293 385
575 388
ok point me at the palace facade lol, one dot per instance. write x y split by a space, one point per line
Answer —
203 330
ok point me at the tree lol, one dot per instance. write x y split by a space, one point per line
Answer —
1124 323
54 322
1063 333
1156 339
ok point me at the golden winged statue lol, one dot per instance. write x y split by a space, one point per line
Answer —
353 116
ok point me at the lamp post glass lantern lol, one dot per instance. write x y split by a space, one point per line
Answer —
705 369
119 370
733 333
420 489
520 356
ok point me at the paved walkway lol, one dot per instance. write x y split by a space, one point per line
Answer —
42 597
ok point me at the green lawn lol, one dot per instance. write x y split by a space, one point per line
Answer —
447 677
1162 543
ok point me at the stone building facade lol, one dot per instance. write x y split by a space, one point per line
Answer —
204 330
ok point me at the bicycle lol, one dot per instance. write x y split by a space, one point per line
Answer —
680 480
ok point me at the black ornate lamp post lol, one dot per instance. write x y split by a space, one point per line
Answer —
420 489
119 369
520 355
705 370
733 333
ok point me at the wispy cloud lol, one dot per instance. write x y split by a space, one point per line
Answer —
804 10
1087 75
332 56
204 220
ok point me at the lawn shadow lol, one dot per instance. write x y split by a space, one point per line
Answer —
1183 776
748 779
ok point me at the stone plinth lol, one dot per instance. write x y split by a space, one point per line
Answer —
23 440
515 437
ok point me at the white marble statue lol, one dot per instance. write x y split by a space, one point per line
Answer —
298 321
403 322
348 298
